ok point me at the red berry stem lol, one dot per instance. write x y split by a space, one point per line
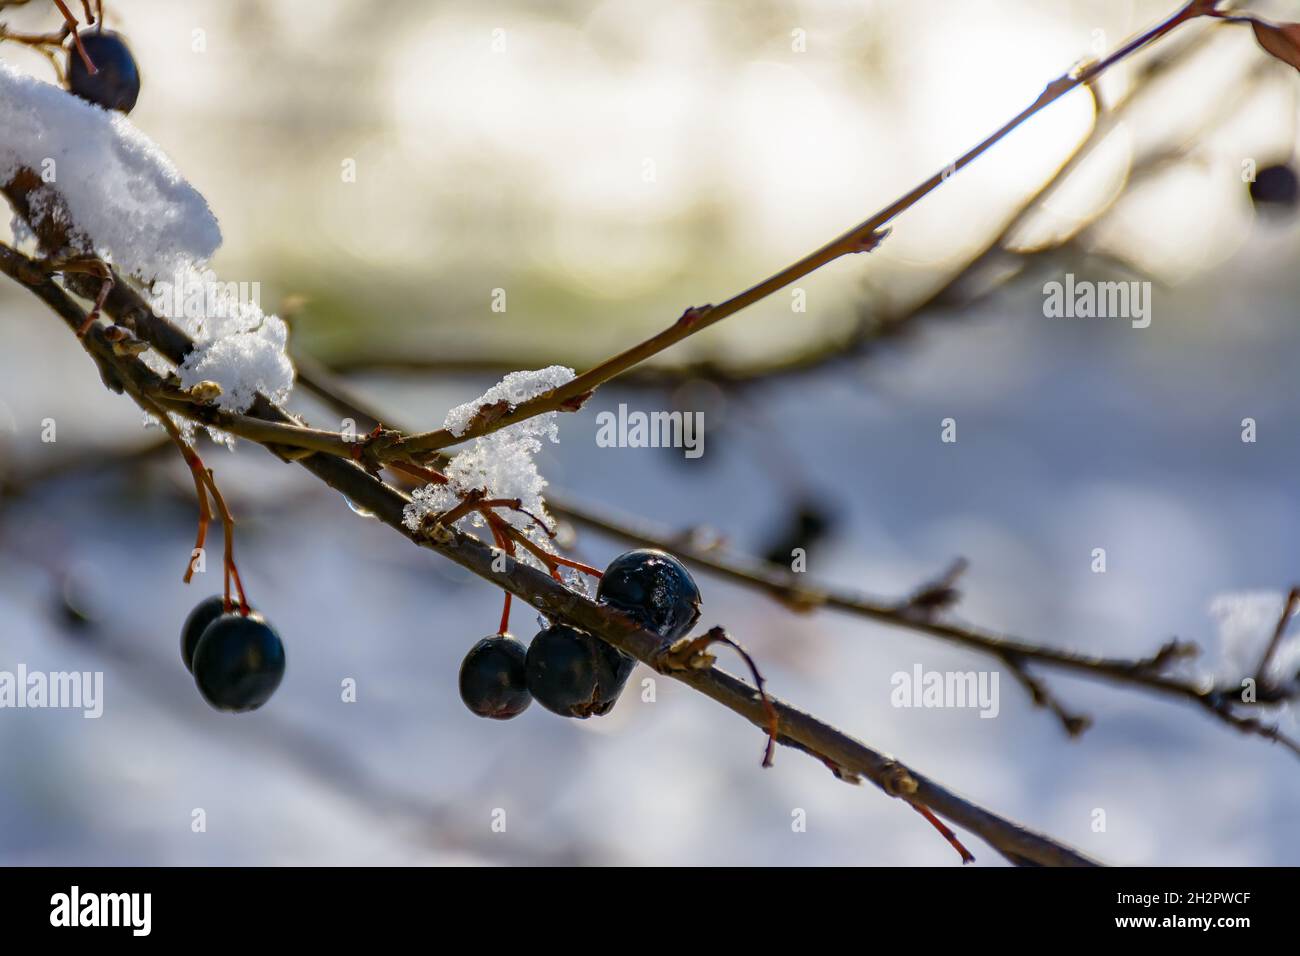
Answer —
228 560
514 504
945 831
553 562
199 473
426 474
508 546
76 40
578 566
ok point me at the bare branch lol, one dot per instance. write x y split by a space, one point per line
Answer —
863 237
849 757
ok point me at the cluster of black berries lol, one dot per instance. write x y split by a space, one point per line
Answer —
237 659
573 673
115 84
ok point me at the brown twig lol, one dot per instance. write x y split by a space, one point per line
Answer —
876 322
1288 612
1144 673
861 238
228 526
1148 673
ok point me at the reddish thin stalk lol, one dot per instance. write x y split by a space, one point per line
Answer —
773 719
508 547
422 473
514 504
966 855
197 471
578 566
228 526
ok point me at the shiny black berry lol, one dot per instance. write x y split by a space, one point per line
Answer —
492 680
204 613
1275 187
116 85
239 662
655 589
574 674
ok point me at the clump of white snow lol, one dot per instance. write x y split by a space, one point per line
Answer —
236 345
500 464
126 203
124 198
515 389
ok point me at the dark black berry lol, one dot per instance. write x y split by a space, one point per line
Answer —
239 662
1275 187
116 85
655 589
204 613
492 680
574 674
806 527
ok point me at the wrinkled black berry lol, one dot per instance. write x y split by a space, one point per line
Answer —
239 662
655 589
1275 187
574 674
116 85
492 680
204 613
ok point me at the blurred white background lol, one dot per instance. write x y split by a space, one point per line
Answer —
525 169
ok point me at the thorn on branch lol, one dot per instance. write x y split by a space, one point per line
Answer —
577 401
693 315
848 776
870 240
1170 652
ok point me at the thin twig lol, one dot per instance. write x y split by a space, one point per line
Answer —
195 465
861 238
691 653
1288 612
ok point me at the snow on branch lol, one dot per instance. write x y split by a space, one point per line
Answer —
125 201
101 189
